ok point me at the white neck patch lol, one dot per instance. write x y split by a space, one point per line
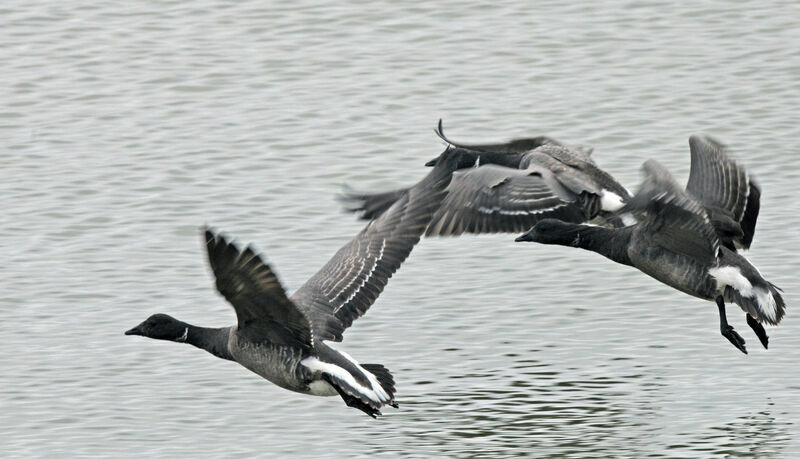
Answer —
183 337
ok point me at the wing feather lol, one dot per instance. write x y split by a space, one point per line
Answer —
723 186
671 218
492 199
263 311
345 288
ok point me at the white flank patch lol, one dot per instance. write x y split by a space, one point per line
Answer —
610 201
628 219
731 275
315 364
376 386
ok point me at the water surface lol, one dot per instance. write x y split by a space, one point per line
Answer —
125 128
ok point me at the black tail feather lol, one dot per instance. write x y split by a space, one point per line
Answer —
384 377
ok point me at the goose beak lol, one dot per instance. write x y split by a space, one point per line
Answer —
134 331
524 238
432 162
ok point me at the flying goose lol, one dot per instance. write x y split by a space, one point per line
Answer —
675 241
283 338
510 190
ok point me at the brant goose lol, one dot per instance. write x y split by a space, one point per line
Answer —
675 241
510 190
283 338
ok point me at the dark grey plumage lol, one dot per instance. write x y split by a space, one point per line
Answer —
263 311
350 282
512 189
727 190
283 338
729 195
676 243
491 199
520 145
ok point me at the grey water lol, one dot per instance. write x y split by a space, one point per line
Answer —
125 127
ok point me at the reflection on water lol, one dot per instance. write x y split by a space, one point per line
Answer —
124 130
755 435
530 407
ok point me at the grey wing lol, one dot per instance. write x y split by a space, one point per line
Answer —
572 177
671 218
492 199
573 162
570 156
719 183
351 281
513 146
263 311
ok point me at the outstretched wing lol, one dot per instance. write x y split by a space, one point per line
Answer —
513 146
351 281
248 283
671 218
493 199
719 183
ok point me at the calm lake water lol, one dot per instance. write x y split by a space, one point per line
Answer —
124 128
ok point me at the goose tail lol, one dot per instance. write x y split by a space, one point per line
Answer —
385 380
764 303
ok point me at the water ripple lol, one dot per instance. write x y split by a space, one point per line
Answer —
125 129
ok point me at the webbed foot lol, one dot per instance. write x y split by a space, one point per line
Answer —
734 338
759 329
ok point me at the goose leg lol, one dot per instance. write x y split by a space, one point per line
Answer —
759 329
726 330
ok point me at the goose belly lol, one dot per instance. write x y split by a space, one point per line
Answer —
679 272
277 364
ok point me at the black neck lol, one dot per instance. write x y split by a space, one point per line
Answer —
612 243
213 340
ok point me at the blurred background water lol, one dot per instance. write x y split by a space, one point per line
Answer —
124 127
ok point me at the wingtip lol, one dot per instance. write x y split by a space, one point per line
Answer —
347 196
698 140
209 232
439 130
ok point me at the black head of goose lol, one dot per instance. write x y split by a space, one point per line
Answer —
675 242
284 338
510 192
